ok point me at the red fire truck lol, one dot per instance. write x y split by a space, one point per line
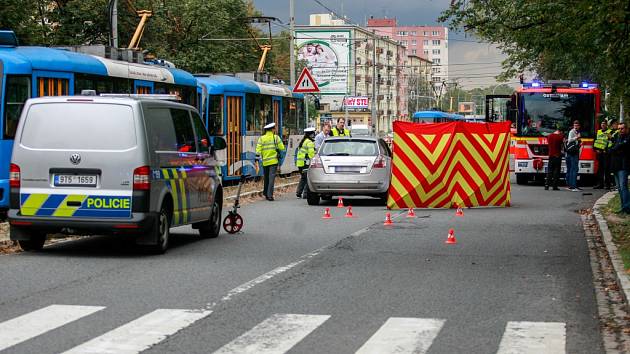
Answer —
536 110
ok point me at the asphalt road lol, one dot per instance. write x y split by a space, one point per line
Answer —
518 278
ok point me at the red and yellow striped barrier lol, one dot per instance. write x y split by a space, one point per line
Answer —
450 164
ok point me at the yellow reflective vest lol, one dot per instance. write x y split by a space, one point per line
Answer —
602 142
306 152
268 147
336 132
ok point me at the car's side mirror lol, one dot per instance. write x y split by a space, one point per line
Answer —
219 143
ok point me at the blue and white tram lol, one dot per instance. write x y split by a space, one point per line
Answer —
435 117
27 72
237 109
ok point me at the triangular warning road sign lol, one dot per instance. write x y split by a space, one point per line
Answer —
306 83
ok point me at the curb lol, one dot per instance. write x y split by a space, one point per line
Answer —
615 258
261 192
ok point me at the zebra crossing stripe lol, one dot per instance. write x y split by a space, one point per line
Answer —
403 335
141 333
533 337
275 335
38 322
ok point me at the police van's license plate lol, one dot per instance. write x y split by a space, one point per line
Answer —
75 180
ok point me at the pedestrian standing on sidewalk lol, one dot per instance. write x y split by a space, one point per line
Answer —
572 150
621 166
269 149
555 141
601 146
325 133
614 133
306 151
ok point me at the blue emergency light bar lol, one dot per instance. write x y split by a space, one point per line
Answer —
559 84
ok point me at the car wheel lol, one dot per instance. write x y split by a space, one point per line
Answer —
36 243
312 198
521 179
383 199
161 232
212 227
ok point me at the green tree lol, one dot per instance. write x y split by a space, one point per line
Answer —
561 39
177 30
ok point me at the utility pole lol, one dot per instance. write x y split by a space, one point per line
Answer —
115 23
374 100
292 42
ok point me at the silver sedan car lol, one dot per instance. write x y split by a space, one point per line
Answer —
350 166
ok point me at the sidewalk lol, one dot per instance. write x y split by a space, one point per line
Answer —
623 278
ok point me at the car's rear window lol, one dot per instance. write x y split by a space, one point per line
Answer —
79 126
349 148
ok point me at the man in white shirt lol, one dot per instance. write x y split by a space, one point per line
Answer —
325 133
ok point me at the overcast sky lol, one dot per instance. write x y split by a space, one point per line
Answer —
462 49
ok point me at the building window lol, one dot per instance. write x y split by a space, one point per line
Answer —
436 52
425 33
413 52
386 37
402 33
426 52
436 60
403 43
414 42
436 33
437 79
425 42
436 70
412 33
436 42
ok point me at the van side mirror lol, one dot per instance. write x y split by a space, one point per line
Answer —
219 143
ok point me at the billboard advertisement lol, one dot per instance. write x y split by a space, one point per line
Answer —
356 102
327 55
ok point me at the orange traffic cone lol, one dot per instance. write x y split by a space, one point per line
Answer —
459 212
451 237
340 203
326 214
388 219
349 213
411 213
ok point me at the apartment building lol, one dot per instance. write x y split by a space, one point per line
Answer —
428 42
352 61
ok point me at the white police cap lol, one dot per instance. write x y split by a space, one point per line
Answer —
269 126
309 130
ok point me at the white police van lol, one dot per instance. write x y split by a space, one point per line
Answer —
125 165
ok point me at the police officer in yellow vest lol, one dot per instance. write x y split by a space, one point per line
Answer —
269 148
602 145
306 151
340 130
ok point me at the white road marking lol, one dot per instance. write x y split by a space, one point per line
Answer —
403 335
38 322
533 337
275 335
141 333
272 273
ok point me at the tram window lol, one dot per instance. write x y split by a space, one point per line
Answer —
215 115
251 107
300 112
265 115
289 117
18 90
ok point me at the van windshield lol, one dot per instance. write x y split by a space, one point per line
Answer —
79 126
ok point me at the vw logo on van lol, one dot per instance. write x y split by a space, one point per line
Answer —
75 159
